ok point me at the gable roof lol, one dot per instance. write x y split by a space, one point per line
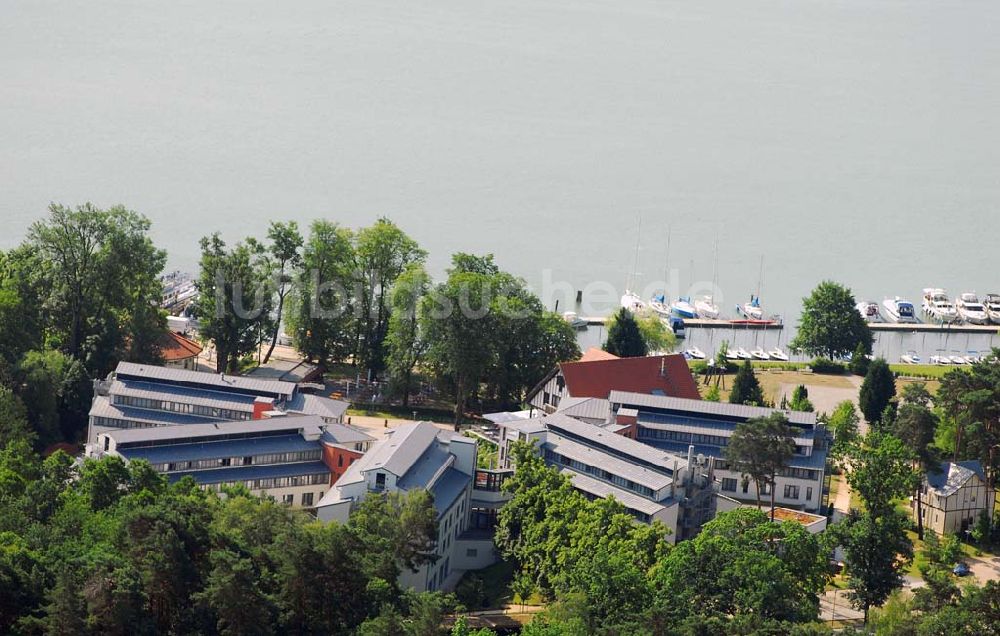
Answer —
197 379
717 410
174 347
400 450
667 375
953 475
593 354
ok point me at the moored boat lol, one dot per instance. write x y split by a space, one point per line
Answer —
660 305
778 354
752 309
910 357
991 302
706 308
899 310
632 302
869 311
695 353
683 308
760 354
937 305
742 353
971 310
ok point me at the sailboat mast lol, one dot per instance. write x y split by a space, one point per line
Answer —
635 262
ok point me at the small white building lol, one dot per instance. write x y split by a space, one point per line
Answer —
954 497
421 455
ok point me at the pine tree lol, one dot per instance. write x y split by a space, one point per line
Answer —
624 337
746 387
877 390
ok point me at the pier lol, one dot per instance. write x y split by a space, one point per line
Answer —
926 327
705 323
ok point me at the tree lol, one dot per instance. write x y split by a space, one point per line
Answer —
844 423
800 399
759 449
286 241
624 336
746 387
859 360
831 326
55 391
22 322
656 333
405 343
232 594
877 551
713 394
234 302
740 566
455 315
916 426
101 273
880 469
877 390
320 313
381 254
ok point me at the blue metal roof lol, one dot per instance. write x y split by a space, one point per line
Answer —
229 448
246 473
816 461
102 407
447 489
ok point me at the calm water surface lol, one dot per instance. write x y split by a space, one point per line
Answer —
856 140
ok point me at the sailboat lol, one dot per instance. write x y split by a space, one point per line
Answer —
705 305
630 300
752 310
659 303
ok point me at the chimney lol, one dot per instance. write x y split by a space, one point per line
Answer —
261 406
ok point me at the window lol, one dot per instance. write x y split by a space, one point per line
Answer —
791 492
340 460
380 481
287 499
765 489
307 499
809 493
746 486
247 461
472 553
729 484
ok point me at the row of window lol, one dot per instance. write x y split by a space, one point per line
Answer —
250 460
180 407
699 439
490 481
791 491
114 422
276 482
600 473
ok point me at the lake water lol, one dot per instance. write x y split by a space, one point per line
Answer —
856 140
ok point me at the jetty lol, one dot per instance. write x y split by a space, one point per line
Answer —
705 323
928 327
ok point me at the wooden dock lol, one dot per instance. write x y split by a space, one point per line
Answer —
927 327
706 323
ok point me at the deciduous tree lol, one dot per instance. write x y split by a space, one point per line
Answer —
759 449
831 326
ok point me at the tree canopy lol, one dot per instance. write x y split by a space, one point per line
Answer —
877 390
746 387
830 325
625 338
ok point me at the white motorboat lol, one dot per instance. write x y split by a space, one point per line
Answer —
869 311
956 359
910 357
743 354
695 353
574 321
759 354
632 302
683 308
732 355
939 359
778 354
972 357
971 310
991 303
705 307
899 310
936 305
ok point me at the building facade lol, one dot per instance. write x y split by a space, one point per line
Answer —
290 458
954 497
676 424
420 455
145 396
651 484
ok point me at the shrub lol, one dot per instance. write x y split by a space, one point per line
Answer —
823 365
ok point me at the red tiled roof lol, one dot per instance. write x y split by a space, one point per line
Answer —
592 354
174 347
669 374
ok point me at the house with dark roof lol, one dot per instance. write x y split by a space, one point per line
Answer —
143 396
954 496
291 458
598 376
419 455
